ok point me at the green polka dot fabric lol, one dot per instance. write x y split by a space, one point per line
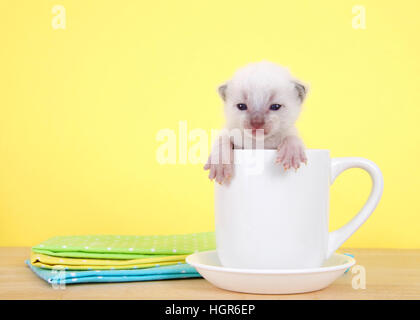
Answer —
126 247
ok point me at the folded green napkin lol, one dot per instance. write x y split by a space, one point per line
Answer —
126 247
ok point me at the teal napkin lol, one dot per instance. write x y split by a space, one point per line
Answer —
180 271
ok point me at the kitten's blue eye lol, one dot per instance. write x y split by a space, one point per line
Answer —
275 107
242 106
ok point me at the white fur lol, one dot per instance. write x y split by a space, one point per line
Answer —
259 85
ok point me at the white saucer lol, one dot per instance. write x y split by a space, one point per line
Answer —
266 281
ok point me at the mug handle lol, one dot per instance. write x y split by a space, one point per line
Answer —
338 165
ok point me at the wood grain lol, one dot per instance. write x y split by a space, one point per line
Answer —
390 274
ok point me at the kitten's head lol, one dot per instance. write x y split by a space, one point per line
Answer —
264 96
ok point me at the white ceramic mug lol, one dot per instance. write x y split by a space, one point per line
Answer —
269 218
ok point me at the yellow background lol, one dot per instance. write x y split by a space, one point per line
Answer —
80 108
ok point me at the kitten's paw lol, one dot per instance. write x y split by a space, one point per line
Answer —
291 153
219 170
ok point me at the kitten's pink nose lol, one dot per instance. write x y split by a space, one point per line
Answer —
257 121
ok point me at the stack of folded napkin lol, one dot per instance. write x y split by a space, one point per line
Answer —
111 258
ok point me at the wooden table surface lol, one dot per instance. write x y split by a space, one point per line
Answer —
390 274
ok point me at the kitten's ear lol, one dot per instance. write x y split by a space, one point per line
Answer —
222 91
301 89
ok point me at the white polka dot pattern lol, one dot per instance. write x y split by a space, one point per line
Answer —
118 244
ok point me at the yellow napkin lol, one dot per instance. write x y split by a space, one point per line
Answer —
50 262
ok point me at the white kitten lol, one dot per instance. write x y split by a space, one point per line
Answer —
262 103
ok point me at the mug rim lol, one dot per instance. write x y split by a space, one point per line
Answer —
273 150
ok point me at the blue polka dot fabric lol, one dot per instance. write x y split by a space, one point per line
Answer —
180 271
110 258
